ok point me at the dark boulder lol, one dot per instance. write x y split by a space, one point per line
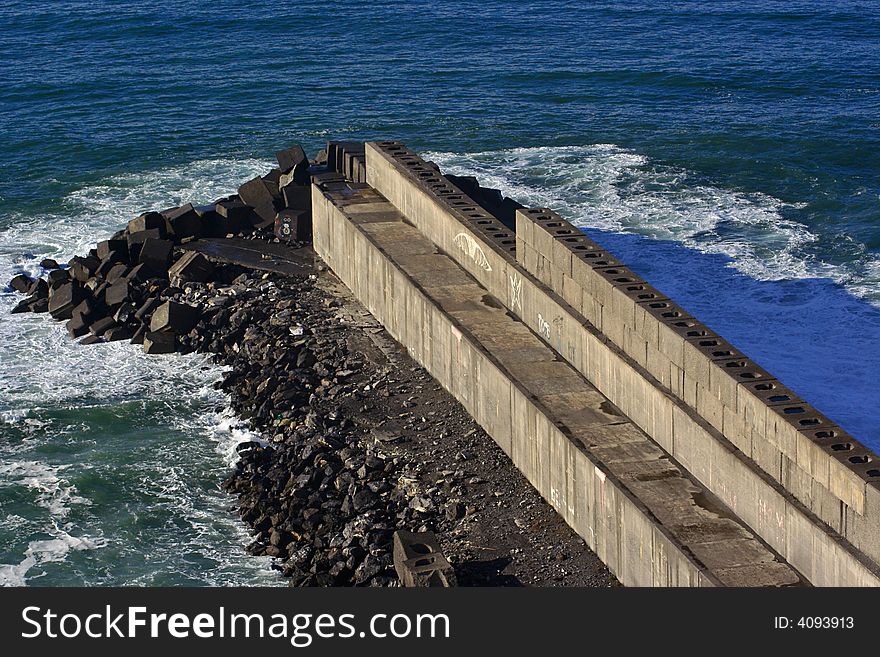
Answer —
173 317
159 343
63 299
147 221
21 283
183 222
191 266
258 195
155 254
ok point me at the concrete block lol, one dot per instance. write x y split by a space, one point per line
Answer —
752 399
767 455
572 293
113 250
297 197
147 221
155 254
183 222
213 223
118 333
726 374
82 269
63 299
102 325
173 317
737 431
291 158
691 445
159 343
239 216
293 225
77 326
191 266
117 293
257 194
419 561
118 271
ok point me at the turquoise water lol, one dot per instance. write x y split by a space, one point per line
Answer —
728 151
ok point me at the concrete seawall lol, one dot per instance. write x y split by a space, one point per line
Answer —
791 496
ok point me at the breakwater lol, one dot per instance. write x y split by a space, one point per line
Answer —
349 440
677 459
816 508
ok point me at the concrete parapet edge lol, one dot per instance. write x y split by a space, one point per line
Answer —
827 553
615 524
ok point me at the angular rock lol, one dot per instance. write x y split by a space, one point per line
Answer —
193 267
292 157
82 269
92 339
136 241
173 317
113 249
147 221
147 308
117 333
156 255
123 313
117 293
105 267
63 299
21 283
57 276
40 305
23 306
48 263
183 222
257 194
102 325
293 225
40 289
159 343
116 272
77 326
138 274
138 336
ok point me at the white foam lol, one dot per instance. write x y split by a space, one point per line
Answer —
802 302
54 493
43 370
610 188
45 551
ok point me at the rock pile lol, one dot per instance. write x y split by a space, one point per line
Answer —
320 497
124 288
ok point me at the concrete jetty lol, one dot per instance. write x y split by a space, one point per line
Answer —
677 459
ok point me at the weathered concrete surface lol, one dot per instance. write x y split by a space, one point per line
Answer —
646 518
256 254
793 514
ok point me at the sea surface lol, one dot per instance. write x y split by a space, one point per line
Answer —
728 151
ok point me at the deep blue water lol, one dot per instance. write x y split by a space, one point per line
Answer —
727 150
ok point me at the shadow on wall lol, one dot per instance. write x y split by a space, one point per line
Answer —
817 338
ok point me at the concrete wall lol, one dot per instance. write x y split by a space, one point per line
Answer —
616 341
621 530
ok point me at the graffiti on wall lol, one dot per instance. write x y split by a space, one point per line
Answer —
469 245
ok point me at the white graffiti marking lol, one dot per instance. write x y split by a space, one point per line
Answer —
543 326
469 245
515 291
